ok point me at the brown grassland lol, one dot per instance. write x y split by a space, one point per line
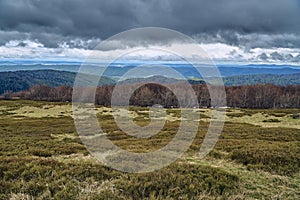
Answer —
42 157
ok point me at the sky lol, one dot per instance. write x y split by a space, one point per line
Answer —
256 31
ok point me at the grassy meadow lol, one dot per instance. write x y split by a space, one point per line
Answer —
42 157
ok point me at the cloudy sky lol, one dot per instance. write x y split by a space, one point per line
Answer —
266 31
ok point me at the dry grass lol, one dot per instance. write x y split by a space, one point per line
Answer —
261 119
41 156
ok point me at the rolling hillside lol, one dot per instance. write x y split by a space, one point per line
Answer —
276 79
22 80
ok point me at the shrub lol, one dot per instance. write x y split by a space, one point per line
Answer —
274 159
271 120
295 116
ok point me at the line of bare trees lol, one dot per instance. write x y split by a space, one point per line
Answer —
251 96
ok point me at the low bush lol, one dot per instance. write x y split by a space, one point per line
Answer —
271 120
282 159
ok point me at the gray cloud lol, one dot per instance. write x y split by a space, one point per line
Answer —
276 56
252 40
263 57
77 23
49 40
288 57
296 58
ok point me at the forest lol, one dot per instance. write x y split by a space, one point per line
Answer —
247 96
16 81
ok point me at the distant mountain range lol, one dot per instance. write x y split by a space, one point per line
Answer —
187 71
22 80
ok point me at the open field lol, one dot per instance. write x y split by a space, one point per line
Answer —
41 156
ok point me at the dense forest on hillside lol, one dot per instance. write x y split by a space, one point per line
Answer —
276 79
23 80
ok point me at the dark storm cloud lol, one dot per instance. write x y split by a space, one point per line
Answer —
234 22
67 17
252 40
12 35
